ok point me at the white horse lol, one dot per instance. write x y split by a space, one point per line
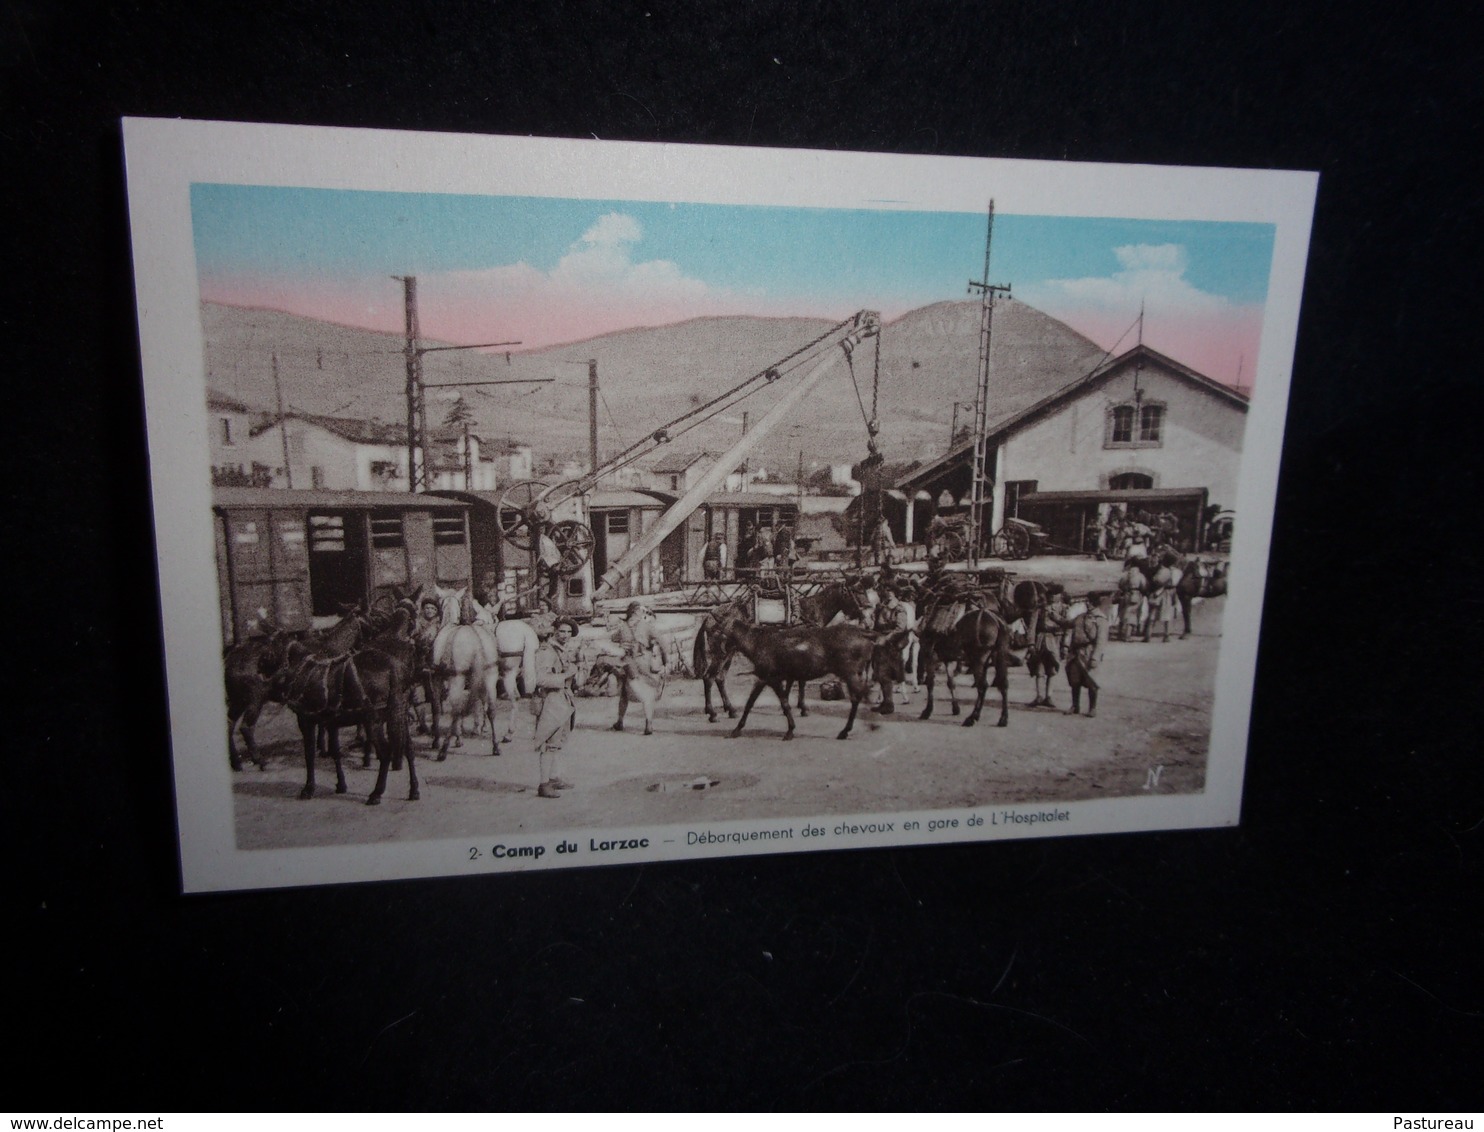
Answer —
509 648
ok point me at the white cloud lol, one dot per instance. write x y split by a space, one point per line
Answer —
1152 274
598 266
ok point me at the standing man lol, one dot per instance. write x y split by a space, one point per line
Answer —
644 659
1089 638
1131 587
556 712
714 559
891 615
1049 647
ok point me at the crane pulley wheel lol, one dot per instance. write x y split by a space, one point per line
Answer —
574 541
517 511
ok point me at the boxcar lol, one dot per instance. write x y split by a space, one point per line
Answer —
301 555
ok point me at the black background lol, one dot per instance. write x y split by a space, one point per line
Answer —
1323 955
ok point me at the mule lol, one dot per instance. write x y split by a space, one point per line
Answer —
363 688
836 603
1198 578
712 654
805 653
249 667
979 638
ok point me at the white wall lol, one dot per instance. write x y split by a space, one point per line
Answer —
1067 450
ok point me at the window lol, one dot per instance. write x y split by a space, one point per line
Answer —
1130 481
674 483
317 477
326 533
1135 425
1151 420
448 530
618 522
226 423
386 531
1014 489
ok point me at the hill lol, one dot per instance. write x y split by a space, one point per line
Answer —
648 376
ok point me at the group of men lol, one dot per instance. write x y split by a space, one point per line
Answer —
1126 535
762 550
1074 640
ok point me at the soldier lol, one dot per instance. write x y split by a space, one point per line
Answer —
1049 647
556 712
1089 636
1131 587
890 616
1162 594
638 640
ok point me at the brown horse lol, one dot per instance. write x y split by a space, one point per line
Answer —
362 688
1198 578
249 667
781 656
978 639
712 655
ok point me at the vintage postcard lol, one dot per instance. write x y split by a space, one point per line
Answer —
528 503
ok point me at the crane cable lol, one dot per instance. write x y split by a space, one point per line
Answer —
718 404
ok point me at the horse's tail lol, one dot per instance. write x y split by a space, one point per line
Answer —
699 653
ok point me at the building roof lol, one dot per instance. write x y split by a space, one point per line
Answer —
751 499
231 498
220 402
621 497
673 462
1003 427
359 431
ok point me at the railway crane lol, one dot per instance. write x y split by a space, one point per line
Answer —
526 508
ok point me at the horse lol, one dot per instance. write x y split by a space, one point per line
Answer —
362 687
836 602
977 639
249 667
514 648
1198 578
807 653
712 654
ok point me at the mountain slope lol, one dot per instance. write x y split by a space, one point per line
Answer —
649 376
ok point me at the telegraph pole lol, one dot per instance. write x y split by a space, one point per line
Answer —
283 426
981 475
417 408
592 414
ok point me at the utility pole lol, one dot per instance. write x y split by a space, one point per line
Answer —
981 475
417 410
283 427
592 414
742 485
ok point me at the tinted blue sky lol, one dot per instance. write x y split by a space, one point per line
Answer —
299 234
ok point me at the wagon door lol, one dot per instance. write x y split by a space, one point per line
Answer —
269 567
452 565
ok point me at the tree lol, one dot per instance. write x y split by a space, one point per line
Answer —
459 413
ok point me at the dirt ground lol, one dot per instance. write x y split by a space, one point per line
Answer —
1151 733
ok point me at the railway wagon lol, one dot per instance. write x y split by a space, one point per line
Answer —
301 555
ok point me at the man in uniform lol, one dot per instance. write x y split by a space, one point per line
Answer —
556 713
1131 587
1089 636
644 654
891 615
1049 648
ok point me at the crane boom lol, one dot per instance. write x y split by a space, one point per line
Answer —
865 325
